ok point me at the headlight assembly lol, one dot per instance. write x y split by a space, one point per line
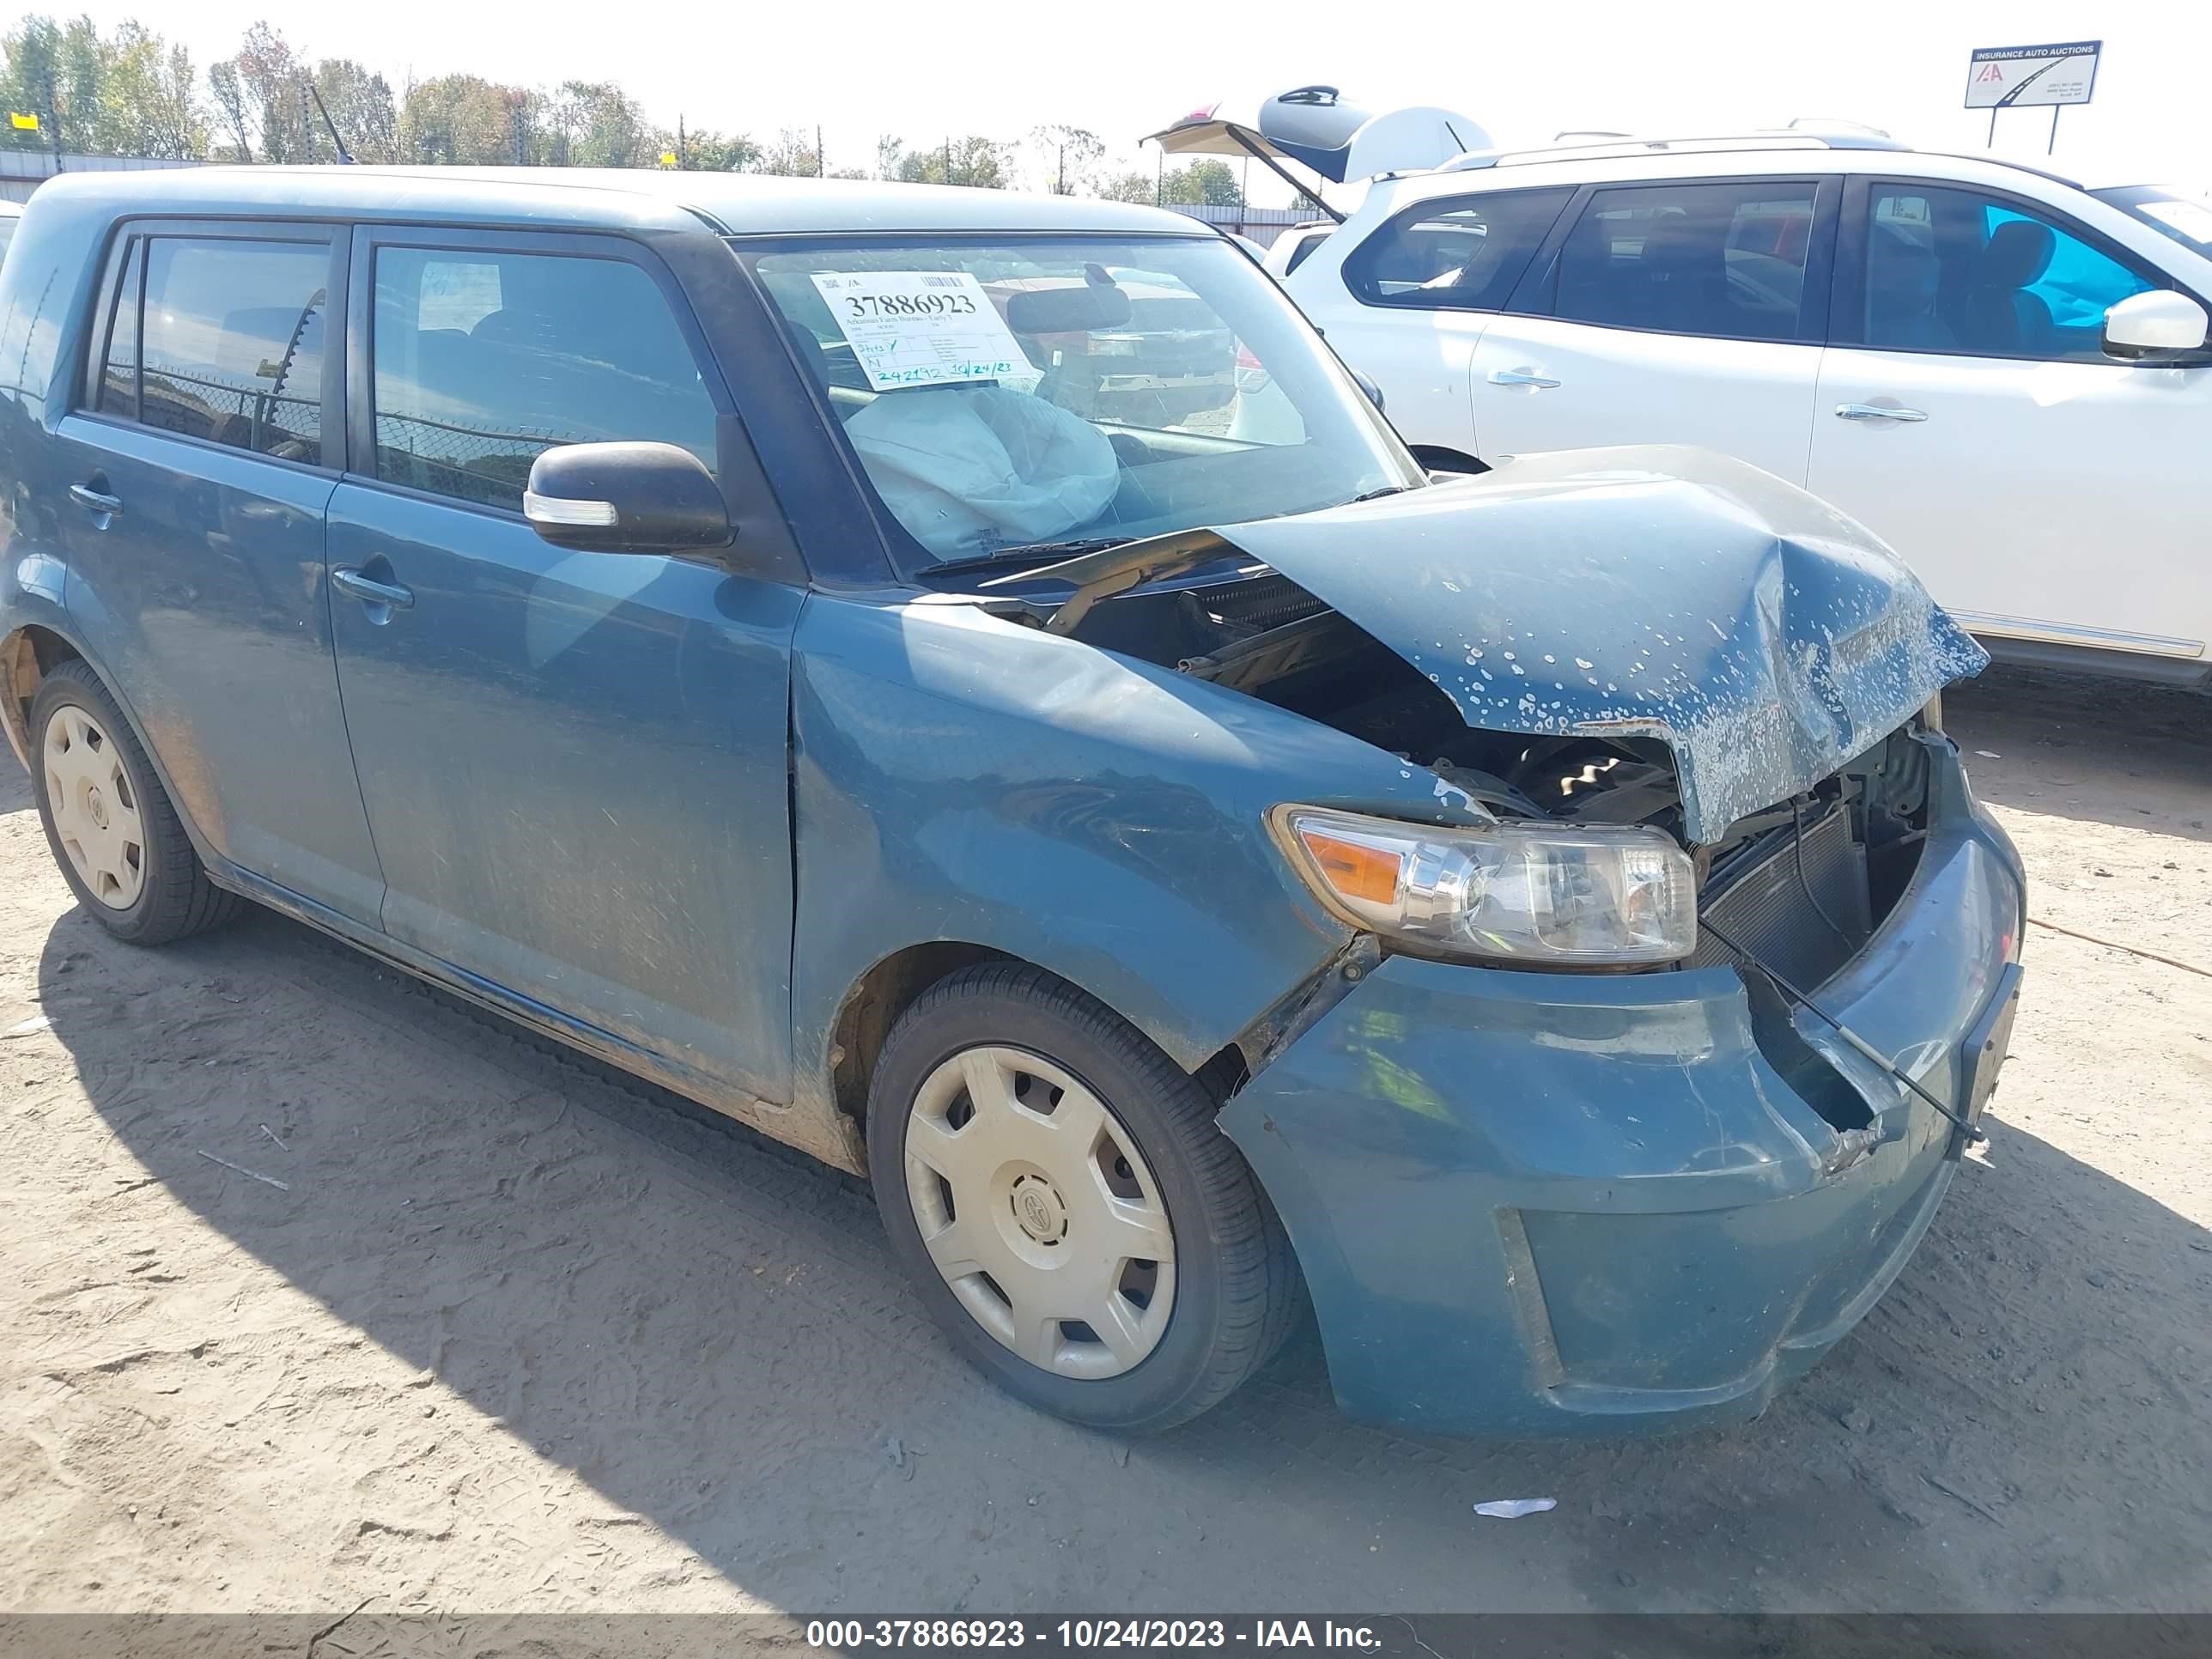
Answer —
1534 894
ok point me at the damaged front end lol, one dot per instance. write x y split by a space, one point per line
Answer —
1629 640
1537 1202
1643 1194
1669 604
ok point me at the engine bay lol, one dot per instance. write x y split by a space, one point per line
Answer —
1810 877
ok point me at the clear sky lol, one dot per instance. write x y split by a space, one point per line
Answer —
920 68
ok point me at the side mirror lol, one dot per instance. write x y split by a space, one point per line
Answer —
1366 385
625 498
2152 327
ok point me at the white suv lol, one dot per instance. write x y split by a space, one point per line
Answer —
2001 371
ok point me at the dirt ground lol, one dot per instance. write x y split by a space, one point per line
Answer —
518 1333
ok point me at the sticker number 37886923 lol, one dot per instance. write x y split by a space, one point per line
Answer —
916 328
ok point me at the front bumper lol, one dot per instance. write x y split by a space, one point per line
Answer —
1556 1204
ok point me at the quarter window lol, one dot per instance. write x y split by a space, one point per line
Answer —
1726 260
1465 254
1956 272
483 362
227 343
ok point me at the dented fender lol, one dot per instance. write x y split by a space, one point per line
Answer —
958 778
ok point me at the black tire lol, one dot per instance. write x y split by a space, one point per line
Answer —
1238 1290
176 899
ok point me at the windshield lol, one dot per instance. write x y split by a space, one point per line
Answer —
1005 395
2170 211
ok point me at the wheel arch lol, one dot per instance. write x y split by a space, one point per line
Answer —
871 1006
26 656
31 652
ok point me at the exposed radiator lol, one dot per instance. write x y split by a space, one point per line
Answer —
1765 910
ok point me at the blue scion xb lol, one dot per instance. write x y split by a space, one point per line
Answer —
968 685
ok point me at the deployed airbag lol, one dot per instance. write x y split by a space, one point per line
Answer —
966 469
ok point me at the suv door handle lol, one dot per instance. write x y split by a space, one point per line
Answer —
1520 377
370 590
1879 412
95 501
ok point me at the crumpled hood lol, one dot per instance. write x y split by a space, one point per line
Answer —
1658 591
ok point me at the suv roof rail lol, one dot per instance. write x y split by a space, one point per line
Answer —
1845 135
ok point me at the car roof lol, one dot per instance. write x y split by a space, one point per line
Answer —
599 197
1714 158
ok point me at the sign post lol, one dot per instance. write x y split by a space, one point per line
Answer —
2025 77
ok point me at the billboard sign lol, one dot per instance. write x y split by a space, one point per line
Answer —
2022 78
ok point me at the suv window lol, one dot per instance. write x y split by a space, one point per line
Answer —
1954 271
1465 253
223 340
484 361
1722 259
1302 249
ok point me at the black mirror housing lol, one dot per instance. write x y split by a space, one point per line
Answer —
1367 384
626 498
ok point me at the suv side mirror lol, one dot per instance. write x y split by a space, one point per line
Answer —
625 498
1367 384
2153 326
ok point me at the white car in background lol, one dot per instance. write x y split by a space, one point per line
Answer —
2002 373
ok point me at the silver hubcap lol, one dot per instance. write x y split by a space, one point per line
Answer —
95 814
1034 1205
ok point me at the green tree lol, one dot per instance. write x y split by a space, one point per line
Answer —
595 124
793 153
149 97
458 119
1066 159
1202 184
126 94
262 94
713 152
981 163
1135 185
362 109
53 73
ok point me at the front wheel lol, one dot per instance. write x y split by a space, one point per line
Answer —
1058 1190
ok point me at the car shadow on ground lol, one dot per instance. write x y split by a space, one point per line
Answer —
2078 747
709 1330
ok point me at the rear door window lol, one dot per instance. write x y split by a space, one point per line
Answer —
227 346
484 360
1463 253
1727 260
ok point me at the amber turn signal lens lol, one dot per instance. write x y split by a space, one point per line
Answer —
1354 870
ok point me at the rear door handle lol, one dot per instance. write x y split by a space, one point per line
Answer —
95 501
1879 412
1520 377
370 590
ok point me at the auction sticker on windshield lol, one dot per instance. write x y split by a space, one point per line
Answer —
921 327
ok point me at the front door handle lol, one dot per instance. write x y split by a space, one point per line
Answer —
1879 412
95 501
1520 377
370 590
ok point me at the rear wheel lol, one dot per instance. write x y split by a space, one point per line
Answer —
113 832
1059 1192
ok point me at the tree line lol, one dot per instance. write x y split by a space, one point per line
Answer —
133 92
